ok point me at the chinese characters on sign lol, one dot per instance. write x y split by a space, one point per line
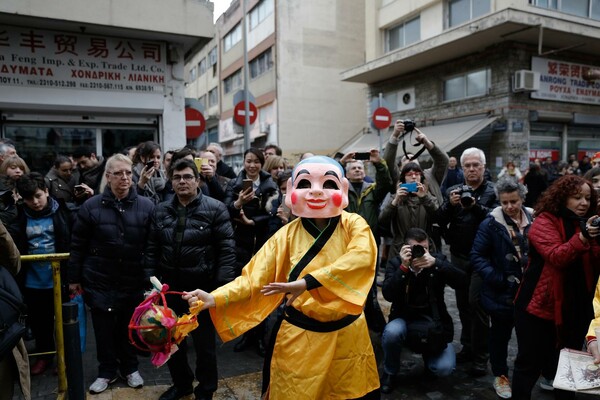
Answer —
562 81
33 57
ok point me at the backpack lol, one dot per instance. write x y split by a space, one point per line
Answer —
13 312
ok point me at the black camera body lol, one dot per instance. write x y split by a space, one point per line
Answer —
467 195
409 125
417 251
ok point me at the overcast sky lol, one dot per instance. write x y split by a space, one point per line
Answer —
220 7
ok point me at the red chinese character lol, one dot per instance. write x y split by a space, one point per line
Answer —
575 71
98 48
152 51
124 52
552 68
32 41
563 69
65 44
4 39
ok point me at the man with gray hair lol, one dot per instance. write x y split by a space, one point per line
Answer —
466 206
222 168
6 150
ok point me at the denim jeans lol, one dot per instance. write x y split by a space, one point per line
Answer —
392 340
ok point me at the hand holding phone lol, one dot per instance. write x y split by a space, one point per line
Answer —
366 155
79 189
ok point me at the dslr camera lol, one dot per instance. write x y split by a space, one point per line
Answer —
595 222
409 125
467 197
417 251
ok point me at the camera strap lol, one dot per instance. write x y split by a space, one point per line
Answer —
417 154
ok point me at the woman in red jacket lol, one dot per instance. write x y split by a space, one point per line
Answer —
554 304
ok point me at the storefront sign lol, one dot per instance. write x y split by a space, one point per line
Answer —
562 81
35 57
585 153
542 154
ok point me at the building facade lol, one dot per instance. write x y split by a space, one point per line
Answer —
507 76
296 51
105 75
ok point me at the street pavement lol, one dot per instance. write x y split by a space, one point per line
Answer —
240 375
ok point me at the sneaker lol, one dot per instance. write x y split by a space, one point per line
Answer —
502 387
135 380
546 384
100 385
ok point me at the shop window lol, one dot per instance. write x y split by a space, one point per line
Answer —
472 84
461 11
403 35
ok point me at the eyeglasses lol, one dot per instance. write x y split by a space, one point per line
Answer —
118 174
412 173
472 165
186 178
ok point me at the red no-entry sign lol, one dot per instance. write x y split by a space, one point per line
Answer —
382 118
194 123
239 113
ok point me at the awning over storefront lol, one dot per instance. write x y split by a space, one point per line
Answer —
445 136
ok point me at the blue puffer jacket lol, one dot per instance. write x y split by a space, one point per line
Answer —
495 258
107 249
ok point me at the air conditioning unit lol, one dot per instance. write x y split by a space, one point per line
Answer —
265 128
526 81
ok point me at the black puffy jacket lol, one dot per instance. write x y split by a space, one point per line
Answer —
107 249
204 257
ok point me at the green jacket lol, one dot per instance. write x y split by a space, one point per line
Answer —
372 194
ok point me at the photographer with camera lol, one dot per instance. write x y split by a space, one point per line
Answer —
414 284
465 208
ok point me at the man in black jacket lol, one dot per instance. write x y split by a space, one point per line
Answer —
465 206
191 245
414 284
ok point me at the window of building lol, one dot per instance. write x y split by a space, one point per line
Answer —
464 10
233 81
402 35
261 11
202 67
471 84
193 74
233 37
261 64
202 100
213 97
582 8
212 56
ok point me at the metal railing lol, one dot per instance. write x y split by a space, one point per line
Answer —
58 317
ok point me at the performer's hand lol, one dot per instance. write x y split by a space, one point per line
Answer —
594 351
295 288
75 288
195 295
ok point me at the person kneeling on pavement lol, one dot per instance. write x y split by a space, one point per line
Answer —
414 284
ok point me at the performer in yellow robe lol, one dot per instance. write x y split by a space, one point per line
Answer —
322 348
592 340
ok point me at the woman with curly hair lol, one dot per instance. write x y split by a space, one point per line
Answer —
553 307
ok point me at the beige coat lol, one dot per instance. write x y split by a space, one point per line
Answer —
11 259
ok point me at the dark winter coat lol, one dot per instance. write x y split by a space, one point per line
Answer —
463 223
58 187
204 257
495 258
107 249
408 292
250 238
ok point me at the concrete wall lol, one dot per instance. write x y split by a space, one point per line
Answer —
316 41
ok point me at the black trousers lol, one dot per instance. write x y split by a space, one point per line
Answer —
114 351
40 310
537 354
204 338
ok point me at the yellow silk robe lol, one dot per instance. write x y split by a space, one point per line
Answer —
595 324
306 364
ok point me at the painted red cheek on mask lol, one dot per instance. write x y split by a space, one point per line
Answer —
294 198
337 199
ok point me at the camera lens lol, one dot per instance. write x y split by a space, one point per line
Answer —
417 251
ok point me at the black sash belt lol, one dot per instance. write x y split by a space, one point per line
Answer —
300 320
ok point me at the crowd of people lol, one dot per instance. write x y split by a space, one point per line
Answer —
521 254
